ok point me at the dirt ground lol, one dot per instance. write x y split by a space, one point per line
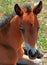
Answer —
44 59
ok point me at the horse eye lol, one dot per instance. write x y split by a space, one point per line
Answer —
38 28
30 24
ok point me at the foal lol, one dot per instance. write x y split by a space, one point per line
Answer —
11 37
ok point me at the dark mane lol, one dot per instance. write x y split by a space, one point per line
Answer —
6 19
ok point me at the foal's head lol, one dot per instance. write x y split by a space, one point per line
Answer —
29 24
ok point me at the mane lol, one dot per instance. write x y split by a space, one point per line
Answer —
6 19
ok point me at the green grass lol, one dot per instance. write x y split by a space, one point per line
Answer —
6 6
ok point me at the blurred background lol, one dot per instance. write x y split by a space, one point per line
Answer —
7 7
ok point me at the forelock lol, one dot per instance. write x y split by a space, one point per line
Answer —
28 7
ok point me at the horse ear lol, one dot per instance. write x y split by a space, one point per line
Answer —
18 10
37 8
